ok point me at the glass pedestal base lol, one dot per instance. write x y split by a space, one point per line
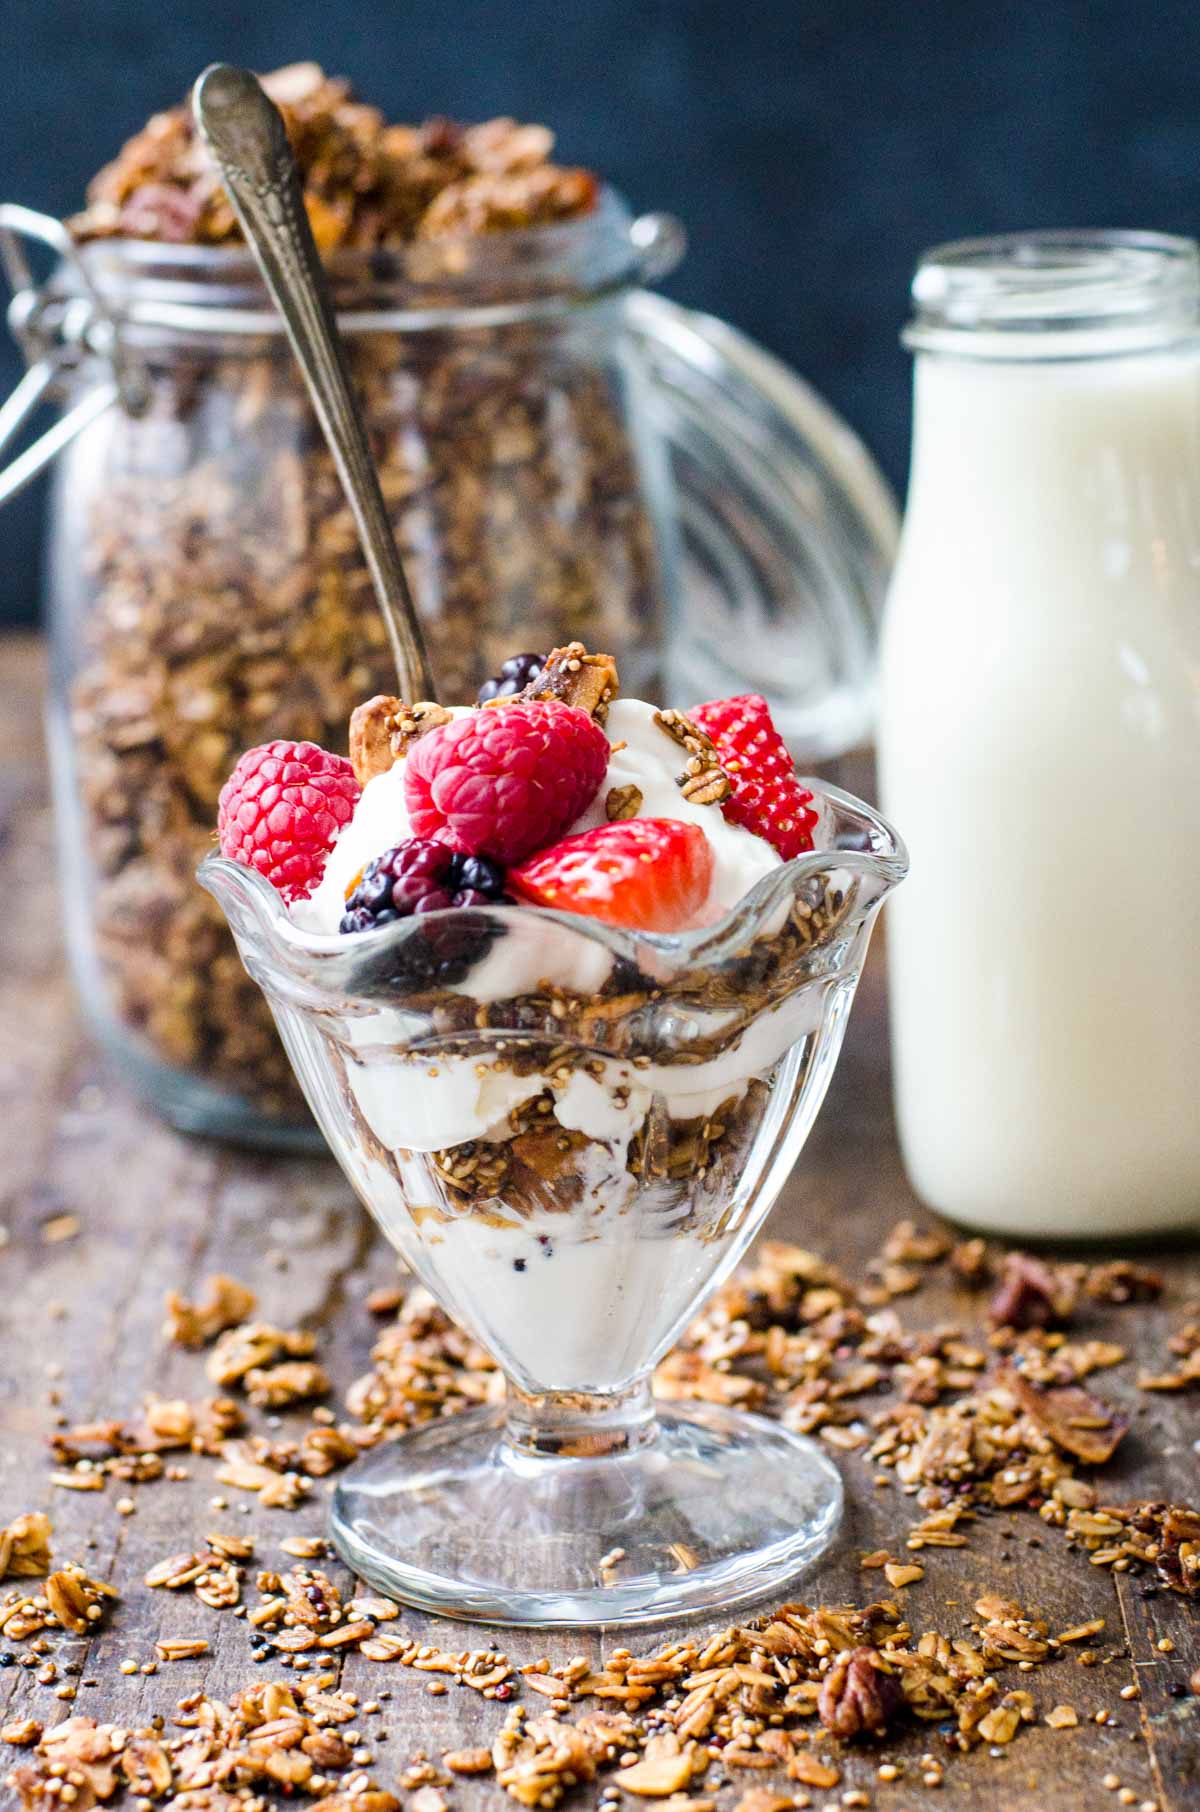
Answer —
703 1509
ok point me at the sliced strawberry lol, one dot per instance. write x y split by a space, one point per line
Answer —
767 798
648 874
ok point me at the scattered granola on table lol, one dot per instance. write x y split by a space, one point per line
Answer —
273 1736
68 1599
1184 1372
974 1422
225 1303
25 1546
208 574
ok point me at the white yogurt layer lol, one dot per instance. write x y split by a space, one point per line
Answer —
576 1314
569 1302
425 1103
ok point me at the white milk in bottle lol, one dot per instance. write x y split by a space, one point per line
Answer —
1040 737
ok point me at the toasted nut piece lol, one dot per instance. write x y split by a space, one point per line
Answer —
343 1634
230 1547
181 1648
291 1381
703 781
414 721
25 1546
622 802
21 1733
657 1776
384 1646
898 1574
371 736
225 1303
73 1598
253 1346
384 729
468 1761
176 1571
708 787
574 677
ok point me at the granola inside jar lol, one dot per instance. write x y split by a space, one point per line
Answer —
207 591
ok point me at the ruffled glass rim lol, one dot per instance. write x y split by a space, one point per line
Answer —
858 842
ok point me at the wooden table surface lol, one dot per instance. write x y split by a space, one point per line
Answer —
81 1320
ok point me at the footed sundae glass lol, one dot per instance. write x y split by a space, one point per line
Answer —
571 1133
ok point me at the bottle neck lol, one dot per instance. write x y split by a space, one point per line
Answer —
1062 296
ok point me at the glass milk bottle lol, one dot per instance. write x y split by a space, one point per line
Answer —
1040 737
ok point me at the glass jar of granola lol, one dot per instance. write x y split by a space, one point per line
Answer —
207 591
557 446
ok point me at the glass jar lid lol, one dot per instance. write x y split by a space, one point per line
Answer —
1085 294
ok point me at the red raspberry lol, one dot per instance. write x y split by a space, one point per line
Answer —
648 874
282 810
503 782
767 798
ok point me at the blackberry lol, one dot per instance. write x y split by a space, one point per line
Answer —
420 876
518 671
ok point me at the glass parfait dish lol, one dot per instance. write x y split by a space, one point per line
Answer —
571 1133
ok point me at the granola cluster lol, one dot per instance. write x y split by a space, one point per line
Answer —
273 1737
367 184
209 570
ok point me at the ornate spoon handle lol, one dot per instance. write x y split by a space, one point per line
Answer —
245 133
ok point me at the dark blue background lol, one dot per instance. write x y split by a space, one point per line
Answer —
812 146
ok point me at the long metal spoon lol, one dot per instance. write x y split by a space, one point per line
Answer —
245 133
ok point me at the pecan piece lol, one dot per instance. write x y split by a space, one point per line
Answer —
68 1596
256 1344
1031 1294
1074 1419
291 1381
622 802
414 721
857 1695
703 781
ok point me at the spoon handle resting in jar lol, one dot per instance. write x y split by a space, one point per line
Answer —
245 133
